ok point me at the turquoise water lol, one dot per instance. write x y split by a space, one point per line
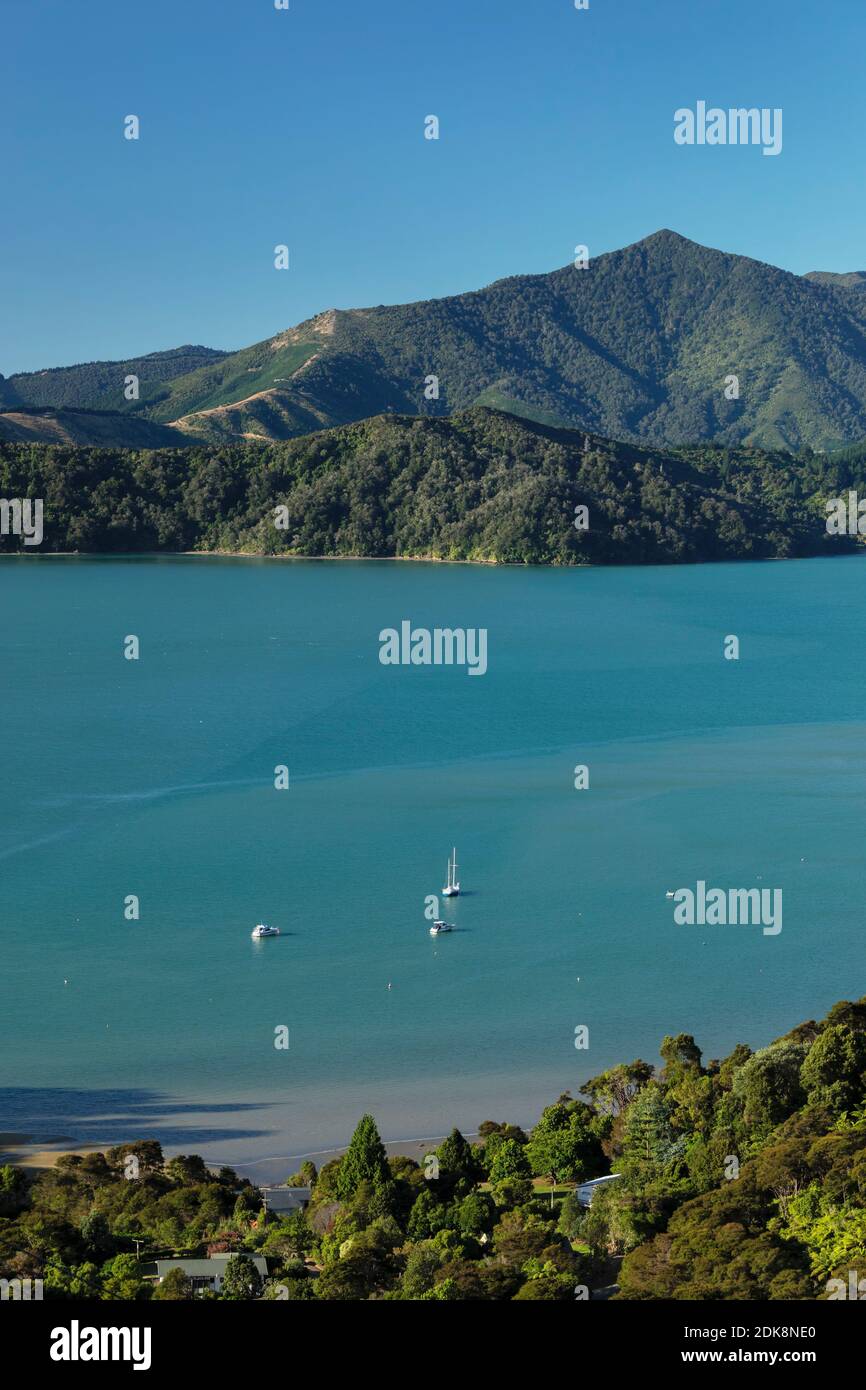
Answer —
155 778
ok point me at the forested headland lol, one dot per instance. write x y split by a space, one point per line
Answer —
482 485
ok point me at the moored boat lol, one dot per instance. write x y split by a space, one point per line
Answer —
452 887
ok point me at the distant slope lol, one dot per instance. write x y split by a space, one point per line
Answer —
100 385
8 395
89 427
846 280
477 486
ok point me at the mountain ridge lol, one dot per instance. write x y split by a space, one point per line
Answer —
643 344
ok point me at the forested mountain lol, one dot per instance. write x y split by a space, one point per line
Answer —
740 1178
479 485
99 385
638 345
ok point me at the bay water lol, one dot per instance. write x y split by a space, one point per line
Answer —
155 778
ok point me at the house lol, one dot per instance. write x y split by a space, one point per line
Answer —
586 1190
283 1200
204 1274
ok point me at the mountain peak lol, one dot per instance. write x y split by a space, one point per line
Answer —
666 234
638 345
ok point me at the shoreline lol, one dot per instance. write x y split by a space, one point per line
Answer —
33 554
34 1154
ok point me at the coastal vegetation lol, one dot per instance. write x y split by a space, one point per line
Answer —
740 1178
481 485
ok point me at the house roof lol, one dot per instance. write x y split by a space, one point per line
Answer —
212 1268
286 1198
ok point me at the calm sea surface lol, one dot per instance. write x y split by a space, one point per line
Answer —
155 778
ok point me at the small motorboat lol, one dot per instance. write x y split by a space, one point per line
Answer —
439 926
670 893
263 930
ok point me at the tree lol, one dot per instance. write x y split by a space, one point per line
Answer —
457 1162
571 1215
428 1215
520 1235
731 1064
148 1152
648 1139
305 1177
476 1214
834 1070
122 1279
187 1168
241 1281
365 1159
564 1145
511 1192
510 1162
290 1290
495 1135
367 1265
13 1190
174 1286
248 1204
550 1286
293 1232
614 1090
97 1236
85 1281
422 1266
680 1054
769 1087
327 1181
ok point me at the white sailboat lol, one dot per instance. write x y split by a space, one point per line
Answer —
452 887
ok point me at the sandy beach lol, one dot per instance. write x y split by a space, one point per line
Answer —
27 1151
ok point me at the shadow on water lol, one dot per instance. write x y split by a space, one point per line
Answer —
49 1115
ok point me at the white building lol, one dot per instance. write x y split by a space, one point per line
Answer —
209 1273
586 1190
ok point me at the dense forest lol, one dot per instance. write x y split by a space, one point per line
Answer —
481 485
740 1178
100 385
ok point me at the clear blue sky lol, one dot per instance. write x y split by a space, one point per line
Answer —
306 127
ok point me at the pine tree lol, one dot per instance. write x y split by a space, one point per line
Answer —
364 1160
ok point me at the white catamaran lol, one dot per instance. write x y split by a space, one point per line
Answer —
452 887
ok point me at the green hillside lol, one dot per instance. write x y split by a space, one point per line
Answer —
99 385
233 378
480 485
